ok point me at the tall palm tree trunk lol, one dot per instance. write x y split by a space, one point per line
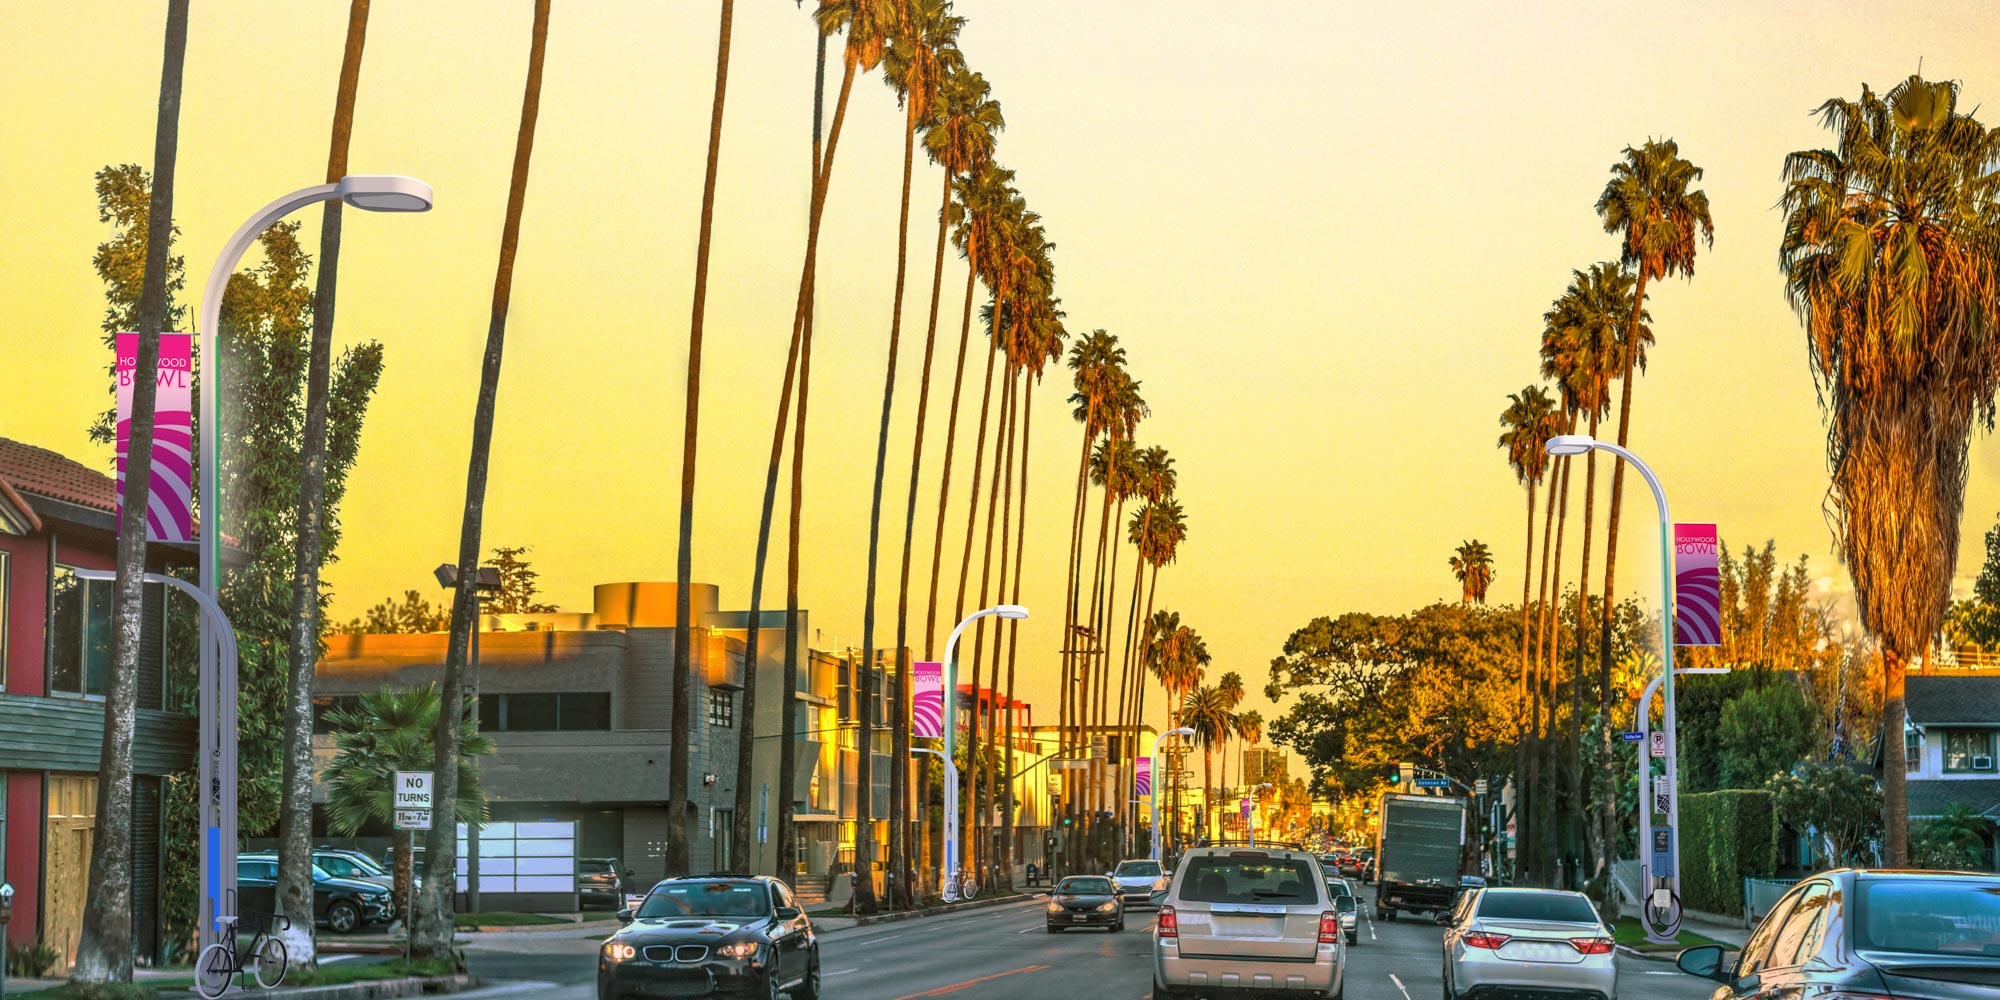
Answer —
970 793
1072 657
865 830
740 835
104 948
801 359
1576 812
913 856
996 709
1608 807
981 765
431 930
1527 759
294 891
1014 633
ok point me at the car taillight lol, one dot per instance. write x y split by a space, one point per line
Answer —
1490 942
1592 946
1329 927
1168 924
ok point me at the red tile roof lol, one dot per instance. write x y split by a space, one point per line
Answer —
40 471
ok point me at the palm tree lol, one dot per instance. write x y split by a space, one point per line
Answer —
104 949
1530 420
1157 529
1114 468
1649 203
922 36
1206 711
1472 565
431 924
958 136
1097 366
387 731
1889 254
740 836
294 890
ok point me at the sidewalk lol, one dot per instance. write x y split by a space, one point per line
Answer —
173 982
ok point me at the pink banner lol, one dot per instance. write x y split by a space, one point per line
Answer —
1697 587
170 509
927 700
1142 777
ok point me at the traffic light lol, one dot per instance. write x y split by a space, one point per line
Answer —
1068 820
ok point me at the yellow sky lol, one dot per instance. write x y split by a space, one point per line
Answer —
1324 232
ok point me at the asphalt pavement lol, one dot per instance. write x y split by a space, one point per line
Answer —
1004 953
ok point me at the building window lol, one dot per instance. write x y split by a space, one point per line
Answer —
80 641
1968 750
530 713
722 708
1913 751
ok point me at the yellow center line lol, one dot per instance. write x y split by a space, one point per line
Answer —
955 987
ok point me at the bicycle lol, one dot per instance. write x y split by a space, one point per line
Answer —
219 964
961 887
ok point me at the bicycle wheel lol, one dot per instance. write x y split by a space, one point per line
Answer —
968 887
213 969
270 959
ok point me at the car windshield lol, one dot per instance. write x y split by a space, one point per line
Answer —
1930 916
1537 906
1085 886
707 899
1337 887
1139 869
1233 879
365 864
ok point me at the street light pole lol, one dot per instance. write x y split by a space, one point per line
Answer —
370 193
950 727
1252 817
1157 789
1664 887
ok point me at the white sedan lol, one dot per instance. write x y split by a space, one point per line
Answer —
1509 940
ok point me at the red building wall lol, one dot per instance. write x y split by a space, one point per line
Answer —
24 852
27 610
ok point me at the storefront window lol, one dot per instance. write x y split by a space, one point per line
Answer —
80 643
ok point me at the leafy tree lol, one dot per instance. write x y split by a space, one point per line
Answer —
412 614
1764 732
1841 804
1975 622
1955 840
1890 251
385 732
518 586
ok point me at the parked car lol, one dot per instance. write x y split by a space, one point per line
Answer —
698 936
1085 901
1140 881
1510 942
1348 905
344 905
1240 915
1868 933
600 880
344 862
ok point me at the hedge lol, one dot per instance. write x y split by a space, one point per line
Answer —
1726 837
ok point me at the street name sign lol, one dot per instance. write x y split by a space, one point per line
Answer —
413 790
1632 737
413 819
1433 782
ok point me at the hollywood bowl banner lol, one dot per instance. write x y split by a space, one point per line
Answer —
170 509
1697 587
1142 777
927 700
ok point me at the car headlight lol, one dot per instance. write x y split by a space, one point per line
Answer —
1055 907
739 950
1159 885
1110 907
618 951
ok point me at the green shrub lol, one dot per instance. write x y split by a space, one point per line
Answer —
31 960
1726 837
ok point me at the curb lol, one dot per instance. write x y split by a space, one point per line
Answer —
380 989
938 911
587 925
1646 956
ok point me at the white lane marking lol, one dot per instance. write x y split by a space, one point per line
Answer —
1655 972
842 972
1399 986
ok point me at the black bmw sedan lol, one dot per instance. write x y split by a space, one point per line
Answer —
698 937
1853 934
1085 901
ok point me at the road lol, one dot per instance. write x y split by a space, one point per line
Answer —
1003 952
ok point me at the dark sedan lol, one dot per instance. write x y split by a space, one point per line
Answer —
1085 901
1868 933
742 937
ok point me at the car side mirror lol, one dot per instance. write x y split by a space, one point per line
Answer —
1442 918
1704 961
1344 904
625 916
789 913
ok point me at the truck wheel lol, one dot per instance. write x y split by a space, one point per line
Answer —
1393 913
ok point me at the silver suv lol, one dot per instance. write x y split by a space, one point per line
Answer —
1247 920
